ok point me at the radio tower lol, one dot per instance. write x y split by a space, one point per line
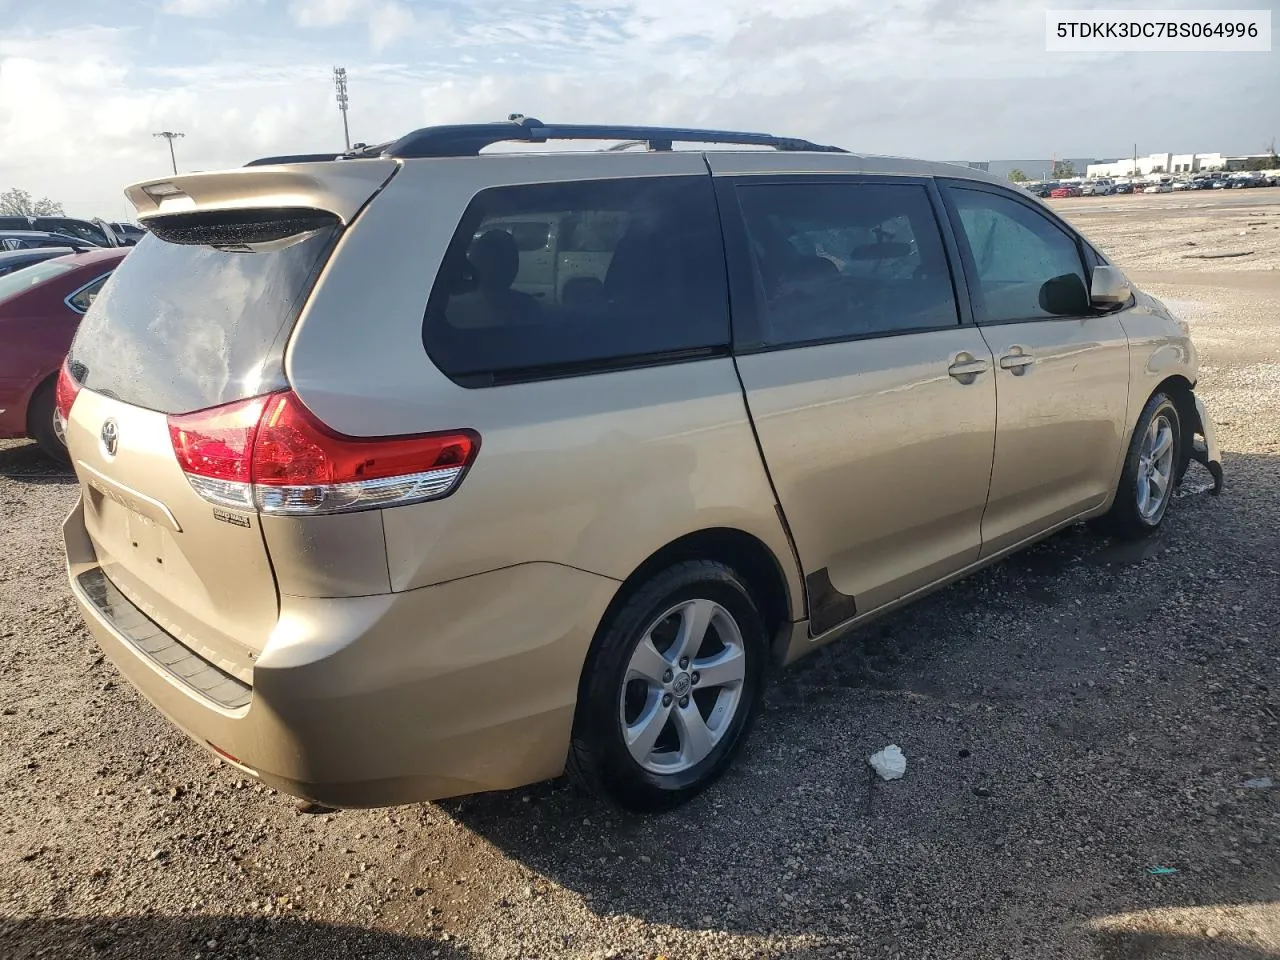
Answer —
340 87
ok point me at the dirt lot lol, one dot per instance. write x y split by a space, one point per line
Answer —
1072 718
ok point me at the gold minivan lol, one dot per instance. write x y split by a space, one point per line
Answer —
379 507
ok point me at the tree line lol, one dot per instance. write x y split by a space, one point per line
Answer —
1061 170
16 202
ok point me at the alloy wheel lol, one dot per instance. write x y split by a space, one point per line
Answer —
682 687
1155 468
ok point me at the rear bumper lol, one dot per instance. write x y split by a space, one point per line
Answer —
457 688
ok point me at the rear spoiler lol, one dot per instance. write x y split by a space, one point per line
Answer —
340 188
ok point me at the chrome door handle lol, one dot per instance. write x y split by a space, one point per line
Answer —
966 368
1017 362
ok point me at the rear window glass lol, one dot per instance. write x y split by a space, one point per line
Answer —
546 280
23 280
201 318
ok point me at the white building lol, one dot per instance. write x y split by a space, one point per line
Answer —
1158 163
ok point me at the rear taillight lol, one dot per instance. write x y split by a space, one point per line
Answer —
214 448
64 398
272 454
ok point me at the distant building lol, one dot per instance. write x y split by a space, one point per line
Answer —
1252 160
1037 169
1157 163
1152 163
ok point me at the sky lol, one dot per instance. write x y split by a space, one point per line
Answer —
84 84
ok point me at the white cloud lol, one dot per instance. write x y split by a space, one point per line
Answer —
934 78
388 22
197 8
325 13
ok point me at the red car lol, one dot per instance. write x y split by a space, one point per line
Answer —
40 308
1060 192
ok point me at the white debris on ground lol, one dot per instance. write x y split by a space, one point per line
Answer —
889 762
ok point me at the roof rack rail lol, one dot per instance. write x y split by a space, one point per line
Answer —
294 158
468 139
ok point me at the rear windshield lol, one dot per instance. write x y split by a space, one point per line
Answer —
20 281
197 315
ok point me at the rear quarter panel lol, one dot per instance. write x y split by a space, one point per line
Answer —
594 472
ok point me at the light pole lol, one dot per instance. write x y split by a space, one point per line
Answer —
170 136
340 88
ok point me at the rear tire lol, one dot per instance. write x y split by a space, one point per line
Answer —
40 423
670 689
1150 473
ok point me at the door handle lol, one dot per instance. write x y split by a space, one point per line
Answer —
1017 362
966 368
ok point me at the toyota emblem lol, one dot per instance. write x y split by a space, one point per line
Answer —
110 437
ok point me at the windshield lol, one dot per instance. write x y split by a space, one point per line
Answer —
20 281
200 318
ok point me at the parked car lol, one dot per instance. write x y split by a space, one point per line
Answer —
40 308
128 233
1066 190
1163 187
88 231
1124 186
1098 187
480 536
11 260
33 239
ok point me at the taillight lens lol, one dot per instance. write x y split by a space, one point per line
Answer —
273 454
64 398
214 448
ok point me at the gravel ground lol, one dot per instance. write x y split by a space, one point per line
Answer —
1200 232
1072 718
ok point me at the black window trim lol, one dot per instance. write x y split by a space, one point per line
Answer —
979 308
81 289
746 293
537 373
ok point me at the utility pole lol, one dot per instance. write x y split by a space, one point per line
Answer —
170 136
1135 161
340 87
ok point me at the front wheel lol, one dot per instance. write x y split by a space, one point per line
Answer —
670 688
1150 471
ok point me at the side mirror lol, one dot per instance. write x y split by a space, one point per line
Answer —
1064 296
1110 288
